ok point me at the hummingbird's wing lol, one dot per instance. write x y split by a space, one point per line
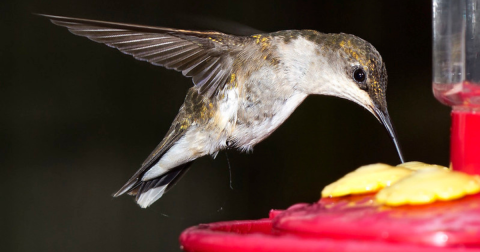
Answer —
207 57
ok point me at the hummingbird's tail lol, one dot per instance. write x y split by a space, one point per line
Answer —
149 191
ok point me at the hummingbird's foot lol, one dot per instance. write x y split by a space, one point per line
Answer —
429 184
366 179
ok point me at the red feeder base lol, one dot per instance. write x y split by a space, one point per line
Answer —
465 140
347 224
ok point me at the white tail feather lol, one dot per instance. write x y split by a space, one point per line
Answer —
150 196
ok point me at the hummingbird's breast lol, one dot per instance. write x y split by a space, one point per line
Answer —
259 96
265 102
265 98
263 93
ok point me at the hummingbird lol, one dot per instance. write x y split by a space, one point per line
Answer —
244 88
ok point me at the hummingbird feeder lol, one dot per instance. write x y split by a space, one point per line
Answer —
358 223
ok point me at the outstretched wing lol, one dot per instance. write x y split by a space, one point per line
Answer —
207 57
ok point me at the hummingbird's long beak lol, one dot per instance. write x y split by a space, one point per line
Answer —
385 119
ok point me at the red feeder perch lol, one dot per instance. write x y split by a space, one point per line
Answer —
347 224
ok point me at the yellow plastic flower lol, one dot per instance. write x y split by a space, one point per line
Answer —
366 179
428 185
408 183
415 165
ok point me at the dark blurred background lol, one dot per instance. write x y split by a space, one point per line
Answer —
78 118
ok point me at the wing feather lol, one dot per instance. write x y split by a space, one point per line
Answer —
207 57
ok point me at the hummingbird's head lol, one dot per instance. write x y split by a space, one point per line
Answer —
351 68
364 74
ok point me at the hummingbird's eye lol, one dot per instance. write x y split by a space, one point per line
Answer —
359 75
